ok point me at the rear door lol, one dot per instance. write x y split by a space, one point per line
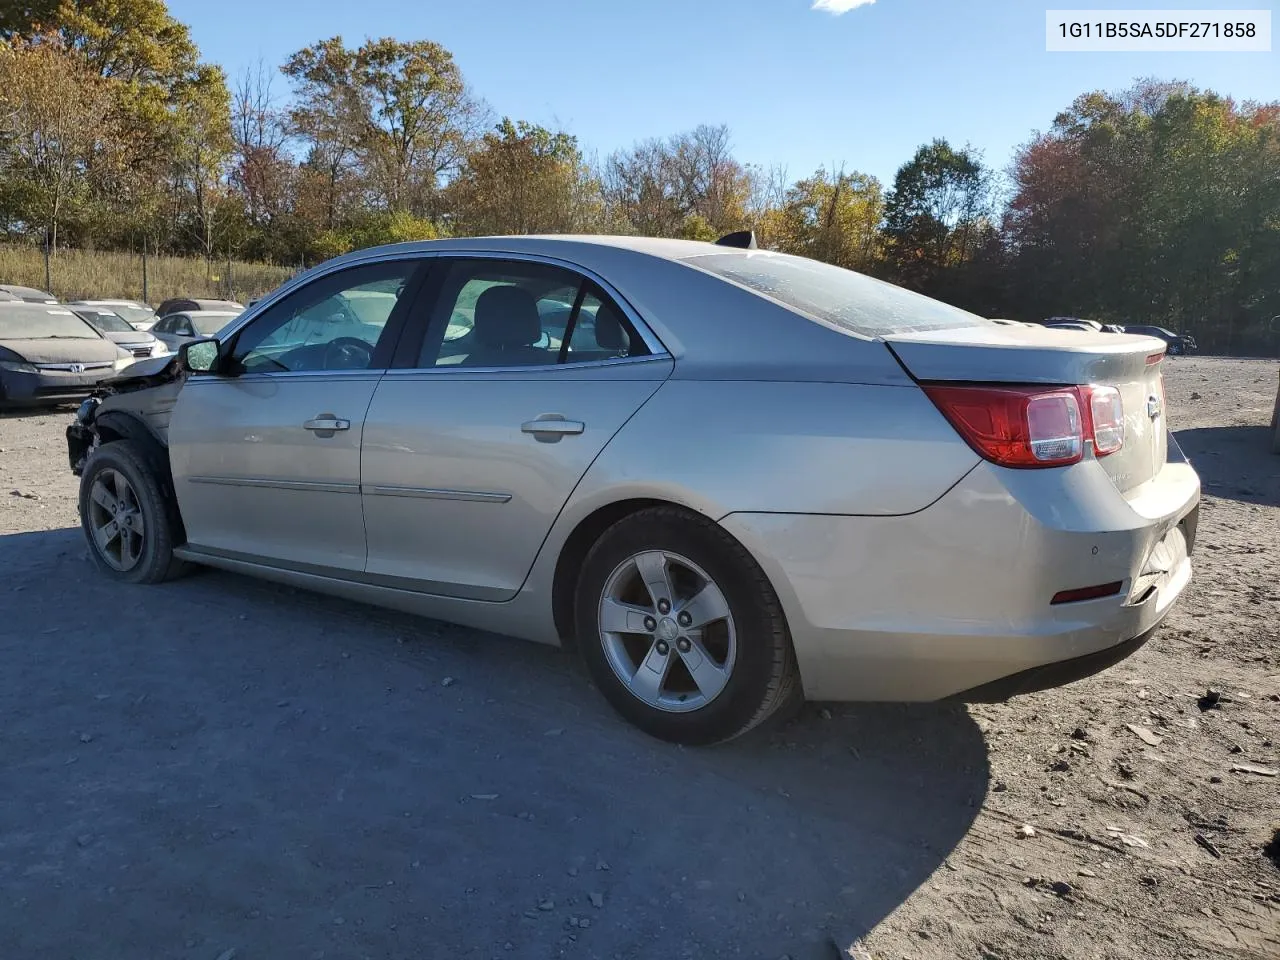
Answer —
266 453
472 448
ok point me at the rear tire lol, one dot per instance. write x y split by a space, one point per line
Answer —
700 652
127 520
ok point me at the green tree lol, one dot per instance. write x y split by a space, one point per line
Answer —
398 112
54 116
936 213
1160 204
832 217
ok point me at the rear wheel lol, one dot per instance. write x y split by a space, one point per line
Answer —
126 518
681 630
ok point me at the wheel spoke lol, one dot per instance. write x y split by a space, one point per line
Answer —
651 675
121 487
707 674
706 606
130 545
101 495
619 617
106 533
652 567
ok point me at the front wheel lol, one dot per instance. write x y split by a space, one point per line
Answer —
126 517
681 629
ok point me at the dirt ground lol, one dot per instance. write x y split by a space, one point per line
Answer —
219 768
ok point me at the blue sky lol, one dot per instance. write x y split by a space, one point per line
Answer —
799 86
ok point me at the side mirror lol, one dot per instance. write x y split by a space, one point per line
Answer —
199 356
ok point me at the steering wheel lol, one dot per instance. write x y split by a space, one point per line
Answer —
347 353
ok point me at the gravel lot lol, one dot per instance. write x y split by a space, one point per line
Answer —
222 768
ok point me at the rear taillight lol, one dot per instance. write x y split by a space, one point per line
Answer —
1107 415
1029 427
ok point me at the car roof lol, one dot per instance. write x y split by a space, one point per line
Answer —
10 308
27 293
112 303
203 314
734 333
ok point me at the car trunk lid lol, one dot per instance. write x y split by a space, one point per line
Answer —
1000 354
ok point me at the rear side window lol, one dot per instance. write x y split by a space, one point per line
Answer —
852 301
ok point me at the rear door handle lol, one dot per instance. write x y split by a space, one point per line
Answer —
550 427
326 424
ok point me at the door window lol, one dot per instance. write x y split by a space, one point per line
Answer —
500 313
343 321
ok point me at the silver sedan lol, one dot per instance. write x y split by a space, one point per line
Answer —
727 478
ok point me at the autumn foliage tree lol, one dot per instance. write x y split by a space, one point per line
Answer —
522 178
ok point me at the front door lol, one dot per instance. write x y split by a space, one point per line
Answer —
266 452
526 372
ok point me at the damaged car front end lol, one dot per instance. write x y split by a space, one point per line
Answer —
134 405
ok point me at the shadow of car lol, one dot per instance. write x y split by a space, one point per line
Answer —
314 749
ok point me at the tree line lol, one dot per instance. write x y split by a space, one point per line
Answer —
1159 204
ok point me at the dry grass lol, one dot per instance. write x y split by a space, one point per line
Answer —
79 274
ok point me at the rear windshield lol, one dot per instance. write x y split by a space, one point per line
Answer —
210 323
135 314
849 300
23 322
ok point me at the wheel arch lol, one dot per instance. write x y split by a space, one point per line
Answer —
575 547
115 425
574 550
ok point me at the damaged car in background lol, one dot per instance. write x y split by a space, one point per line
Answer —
727 478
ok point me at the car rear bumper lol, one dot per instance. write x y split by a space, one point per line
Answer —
34 389
955 600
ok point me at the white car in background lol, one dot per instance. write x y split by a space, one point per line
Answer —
137 315
138 343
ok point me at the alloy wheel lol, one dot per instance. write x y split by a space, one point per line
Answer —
115 519
667 631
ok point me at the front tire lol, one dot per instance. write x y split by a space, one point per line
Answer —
127 520
681 630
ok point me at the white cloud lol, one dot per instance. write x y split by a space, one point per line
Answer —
839 7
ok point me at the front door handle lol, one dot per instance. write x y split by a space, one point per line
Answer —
550 427
326 423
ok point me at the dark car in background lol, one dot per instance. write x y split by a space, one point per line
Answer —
1177 343
49 355
188 304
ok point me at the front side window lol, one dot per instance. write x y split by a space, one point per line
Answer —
336 322
500 313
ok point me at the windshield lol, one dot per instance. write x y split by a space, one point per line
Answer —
40 324
207 324
106 322
849 300
135 314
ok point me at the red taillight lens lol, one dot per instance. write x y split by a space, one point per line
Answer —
1107 413
1027 427
1015 426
